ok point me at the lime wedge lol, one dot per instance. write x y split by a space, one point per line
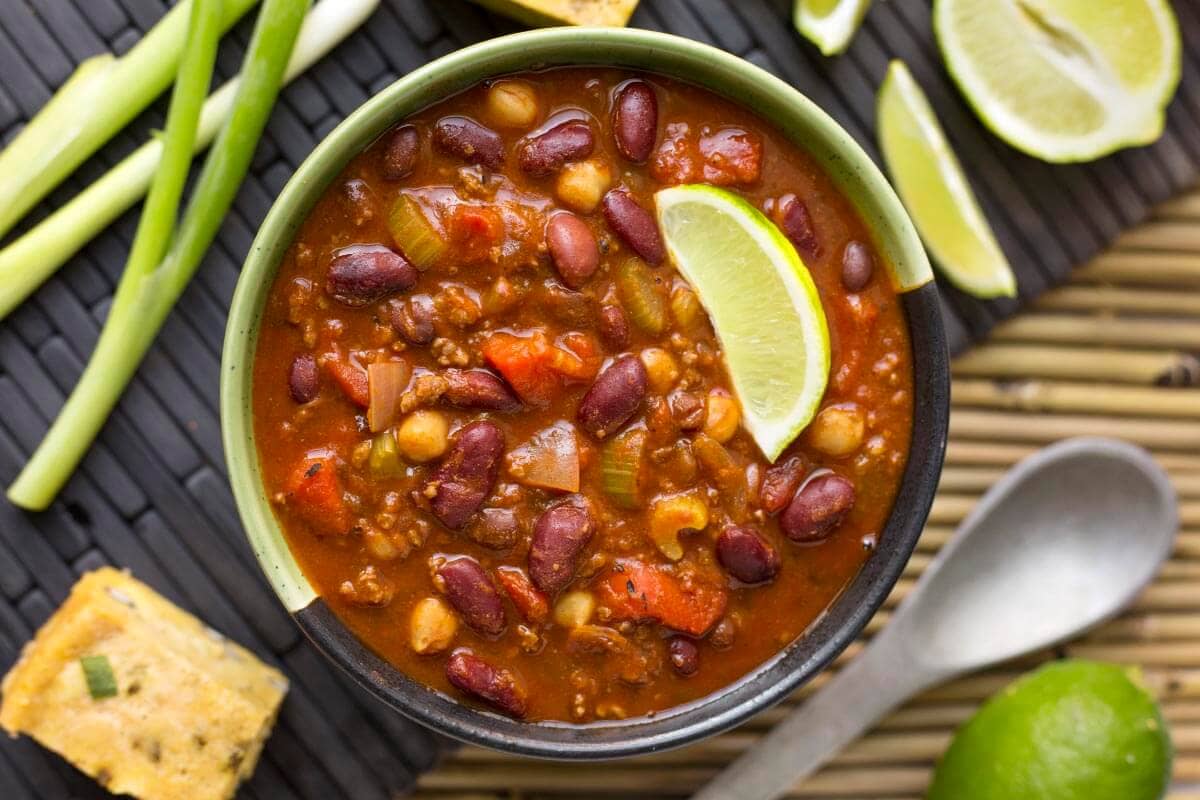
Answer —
829 24
1063 80
762 303
931 183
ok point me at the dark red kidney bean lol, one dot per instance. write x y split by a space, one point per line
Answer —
470 141
362 275
635 225
780 483
546 153
471 592
478 389
614 397
797 225
400 153
573 248
746 556
467 474
413 318
635 121
304 378
614 326
818 507
684 655
857 266
359 201
559 536
496 686
496 528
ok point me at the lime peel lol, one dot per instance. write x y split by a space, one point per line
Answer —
762 302
931 183
829 24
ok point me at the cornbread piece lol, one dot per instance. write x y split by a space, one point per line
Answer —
191 709
564 12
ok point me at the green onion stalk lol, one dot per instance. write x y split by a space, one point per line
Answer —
101 97
30 260
148 291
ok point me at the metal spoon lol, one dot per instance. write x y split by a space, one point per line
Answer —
1063 541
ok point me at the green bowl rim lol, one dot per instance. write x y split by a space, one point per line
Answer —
683 59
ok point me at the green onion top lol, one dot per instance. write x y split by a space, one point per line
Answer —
101 681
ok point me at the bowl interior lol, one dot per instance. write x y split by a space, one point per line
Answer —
855 175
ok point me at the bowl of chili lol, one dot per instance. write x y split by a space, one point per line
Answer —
478 488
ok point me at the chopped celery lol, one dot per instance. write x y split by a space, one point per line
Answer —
621 463
635 286
419 241
384 460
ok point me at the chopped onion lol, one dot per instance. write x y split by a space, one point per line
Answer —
550 460
386 382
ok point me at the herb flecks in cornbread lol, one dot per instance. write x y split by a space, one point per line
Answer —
191 711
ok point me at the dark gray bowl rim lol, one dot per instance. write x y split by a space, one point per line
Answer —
842 622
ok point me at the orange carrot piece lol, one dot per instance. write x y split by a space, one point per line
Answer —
529 600
316 492
641 592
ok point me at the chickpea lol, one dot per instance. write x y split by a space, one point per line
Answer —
838 430
423 435
512 104
721 415
581 184
662 371
432 626
574 609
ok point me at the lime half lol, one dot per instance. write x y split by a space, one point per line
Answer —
1063 80
935 191
1073 730
762 303
829 24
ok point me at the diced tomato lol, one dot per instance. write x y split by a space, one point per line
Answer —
731 155
474 231
351 379
582 356
316 492
529 600
533 366
642 592
677 159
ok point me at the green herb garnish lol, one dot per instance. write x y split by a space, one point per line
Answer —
101 681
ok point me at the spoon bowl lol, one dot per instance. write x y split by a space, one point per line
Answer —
1064 541
1061 543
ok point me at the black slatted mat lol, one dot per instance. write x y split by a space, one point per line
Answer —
152 494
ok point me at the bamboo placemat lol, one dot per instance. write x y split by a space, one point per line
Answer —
1111 353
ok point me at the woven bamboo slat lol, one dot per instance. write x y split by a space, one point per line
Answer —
1091 359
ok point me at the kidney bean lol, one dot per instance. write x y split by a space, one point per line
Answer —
559 536
496 528
413 318
635 225
470 141
467 474
400 153
635 121
546 153
495 686
746 556
614 326
687 409
857 266
614 397
573 248
684 655
818 507
470 591
478 389
359 201
362 275
797 225
780 483
303 378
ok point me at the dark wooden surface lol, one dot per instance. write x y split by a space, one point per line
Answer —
152 494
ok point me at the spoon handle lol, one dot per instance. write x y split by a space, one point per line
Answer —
856 697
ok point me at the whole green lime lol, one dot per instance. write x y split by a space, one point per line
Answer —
1072 730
